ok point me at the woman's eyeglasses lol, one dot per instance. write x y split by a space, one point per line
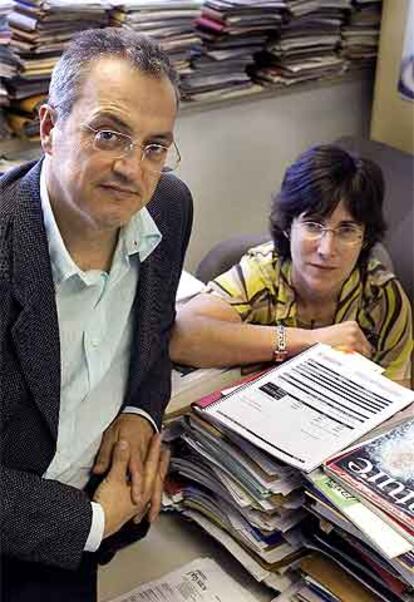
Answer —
346 234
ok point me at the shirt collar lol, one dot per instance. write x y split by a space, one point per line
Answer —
140 235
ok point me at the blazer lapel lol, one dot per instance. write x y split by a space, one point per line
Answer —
35 332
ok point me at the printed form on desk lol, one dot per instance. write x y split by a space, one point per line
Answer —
310 407
201 580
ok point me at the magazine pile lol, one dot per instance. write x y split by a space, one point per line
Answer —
364 499
170 22
243 459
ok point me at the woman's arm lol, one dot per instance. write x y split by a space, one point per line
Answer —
209 332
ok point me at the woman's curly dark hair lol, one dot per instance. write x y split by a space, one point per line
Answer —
316 182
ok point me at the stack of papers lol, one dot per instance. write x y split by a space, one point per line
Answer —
360 35
246 500
244 459
40 29
8 65
8 61
170 22
232 31
306 47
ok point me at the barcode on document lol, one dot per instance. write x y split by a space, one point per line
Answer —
332 394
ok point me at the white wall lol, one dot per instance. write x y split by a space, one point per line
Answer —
234 154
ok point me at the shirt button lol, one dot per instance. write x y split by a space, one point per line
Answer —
95 342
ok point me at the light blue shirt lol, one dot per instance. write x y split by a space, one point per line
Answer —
95 329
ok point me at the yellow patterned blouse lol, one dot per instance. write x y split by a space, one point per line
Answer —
259 288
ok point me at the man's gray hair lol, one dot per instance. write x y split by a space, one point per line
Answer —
69 74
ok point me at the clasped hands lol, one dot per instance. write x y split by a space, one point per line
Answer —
136 464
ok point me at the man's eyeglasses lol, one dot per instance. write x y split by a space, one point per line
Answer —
345 234
155 157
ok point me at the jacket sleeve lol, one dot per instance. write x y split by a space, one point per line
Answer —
172 210
42 520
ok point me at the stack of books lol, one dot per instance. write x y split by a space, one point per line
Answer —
170 22
306 46
360 34
40 30
364 500
244 458
231 32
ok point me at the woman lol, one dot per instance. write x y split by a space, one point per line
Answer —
315 282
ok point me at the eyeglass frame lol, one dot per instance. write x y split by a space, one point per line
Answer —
133 144
325 229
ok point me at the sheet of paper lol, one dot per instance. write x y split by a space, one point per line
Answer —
201 580
188 287
311 407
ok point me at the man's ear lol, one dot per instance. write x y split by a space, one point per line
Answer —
46 118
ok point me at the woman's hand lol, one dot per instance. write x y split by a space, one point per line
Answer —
345 334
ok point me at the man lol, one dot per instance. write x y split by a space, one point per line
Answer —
88 277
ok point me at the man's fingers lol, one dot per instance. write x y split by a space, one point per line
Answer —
136 472
159 484
103 458
164 462
156 499
120 459
151 466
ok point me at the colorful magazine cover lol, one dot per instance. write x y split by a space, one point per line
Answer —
382 471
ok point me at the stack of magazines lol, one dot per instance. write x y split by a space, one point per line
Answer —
306 46
231 32
245 499
8 61
8 64
40 29
170 22
243 459
364 500
360 34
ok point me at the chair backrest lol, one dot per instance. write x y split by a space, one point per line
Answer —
398 169
228 252
225 254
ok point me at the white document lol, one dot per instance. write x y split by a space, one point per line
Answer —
201 580
188 287
310 407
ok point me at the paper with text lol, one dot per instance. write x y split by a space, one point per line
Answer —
201 580
310 407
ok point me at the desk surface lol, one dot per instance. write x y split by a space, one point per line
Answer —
171 542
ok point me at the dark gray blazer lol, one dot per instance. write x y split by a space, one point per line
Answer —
43 520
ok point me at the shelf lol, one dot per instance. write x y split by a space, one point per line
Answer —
19 148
